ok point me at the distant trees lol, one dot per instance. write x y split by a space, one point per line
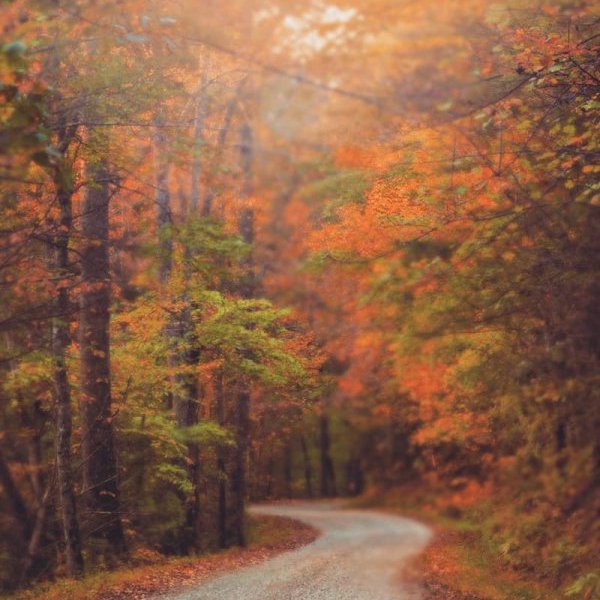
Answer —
473 238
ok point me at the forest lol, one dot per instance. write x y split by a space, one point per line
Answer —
266 250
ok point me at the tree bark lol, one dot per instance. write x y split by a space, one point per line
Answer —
221 466
199 140
287 470
17 504
98 446
242 427
354 477
247 290
33 420
30 566
163 202
308 488
61 340
328 483
186 414
270 475
207 204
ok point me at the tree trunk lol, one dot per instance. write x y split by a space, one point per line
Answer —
33 420
186 414
221 466
200 117
30 563
98 446
308 489
354 477
61 340
163 203
247 289
270 475
15 500
207 204
239 470
328 483
287 470
246 214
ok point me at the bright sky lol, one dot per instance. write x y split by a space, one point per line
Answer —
304 27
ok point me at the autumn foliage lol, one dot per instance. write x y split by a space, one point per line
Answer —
297 249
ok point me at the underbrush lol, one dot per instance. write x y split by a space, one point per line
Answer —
495 549
148 572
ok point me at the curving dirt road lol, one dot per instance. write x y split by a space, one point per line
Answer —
359 556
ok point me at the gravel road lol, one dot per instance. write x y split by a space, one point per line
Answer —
359 556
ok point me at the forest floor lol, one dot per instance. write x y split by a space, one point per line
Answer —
269 536
455 565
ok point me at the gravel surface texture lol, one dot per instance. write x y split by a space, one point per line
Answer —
359 556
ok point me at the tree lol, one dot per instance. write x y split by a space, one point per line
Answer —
100 474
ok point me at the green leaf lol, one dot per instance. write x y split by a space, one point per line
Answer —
204 433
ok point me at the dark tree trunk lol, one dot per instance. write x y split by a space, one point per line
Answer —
246 214
33 419
287 470
163 203
61 340
207 204
354 477
270 475
199 140
308 488
247 290
328 483
32 565
98 447
186 414
221 466
15 500
238 483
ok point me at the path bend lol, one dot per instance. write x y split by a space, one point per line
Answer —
360 555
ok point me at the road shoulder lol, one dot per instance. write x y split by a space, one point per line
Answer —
270 536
